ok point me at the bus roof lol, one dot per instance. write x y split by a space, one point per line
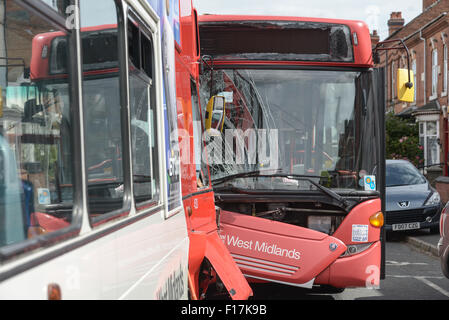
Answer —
360 39
223 17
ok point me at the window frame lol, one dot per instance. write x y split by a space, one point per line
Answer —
415 83
126 208
29 245
393 81
423 134
142 74
445 72
434 63
156 167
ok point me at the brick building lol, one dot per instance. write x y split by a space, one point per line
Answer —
426 37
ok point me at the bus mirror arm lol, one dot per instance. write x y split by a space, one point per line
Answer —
398 44
401 46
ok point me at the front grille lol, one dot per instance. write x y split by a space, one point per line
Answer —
405 216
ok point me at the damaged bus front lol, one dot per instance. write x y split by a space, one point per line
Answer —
296 147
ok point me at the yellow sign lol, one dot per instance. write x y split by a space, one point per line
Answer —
406 92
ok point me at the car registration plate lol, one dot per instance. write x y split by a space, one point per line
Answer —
406 226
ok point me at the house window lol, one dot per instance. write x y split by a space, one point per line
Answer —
445 70
434 72
414 79
428 138
393 82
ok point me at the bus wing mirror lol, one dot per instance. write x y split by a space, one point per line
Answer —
215 113
406 92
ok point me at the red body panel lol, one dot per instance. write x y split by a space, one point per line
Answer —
362 51
360 216
361 270
270 250
278 251
226 268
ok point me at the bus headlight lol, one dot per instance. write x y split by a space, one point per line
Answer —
320 223
324 224
355 249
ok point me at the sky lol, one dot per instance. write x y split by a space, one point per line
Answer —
374 12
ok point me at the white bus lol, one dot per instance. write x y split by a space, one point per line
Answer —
90 194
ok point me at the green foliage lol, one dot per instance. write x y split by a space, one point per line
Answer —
402 140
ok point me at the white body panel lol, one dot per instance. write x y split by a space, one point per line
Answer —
134 262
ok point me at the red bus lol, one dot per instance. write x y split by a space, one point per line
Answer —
300 178
95 202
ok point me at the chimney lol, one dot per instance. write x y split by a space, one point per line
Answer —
375 38
427 3
396 22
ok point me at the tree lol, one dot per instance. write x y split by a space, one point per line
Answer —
402 140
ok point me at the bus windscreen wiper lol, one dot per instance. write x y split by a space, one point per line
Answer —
325 190
248 174
307 178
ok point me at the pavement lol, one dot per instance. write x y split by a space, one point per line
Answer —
424 241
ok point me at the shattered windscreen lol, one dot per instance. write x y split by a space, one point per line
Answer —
320 124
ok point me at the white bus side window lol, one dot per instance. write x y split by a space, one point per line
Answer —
102 111
36 161
143 115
